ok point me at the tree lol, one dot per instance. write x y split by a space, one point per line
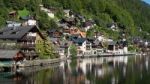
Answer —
2 21
53 24
2 4
43 20
102 19
60 13
73 51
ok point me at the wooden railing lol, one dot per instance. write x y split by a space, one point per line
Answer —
24 45
29 53
32 38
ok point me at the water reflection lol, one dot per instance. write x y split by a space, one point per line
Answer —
106 70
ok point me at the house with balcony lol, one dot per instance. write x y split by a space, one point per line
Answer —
74 31
88 25
24 38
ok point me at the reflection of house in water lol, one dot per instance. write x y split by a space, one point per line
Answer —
97 67
101 66
94 66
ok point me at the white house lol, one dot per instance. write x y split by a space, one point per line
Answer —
111 47
67 12
61 52
81 48
81 45
31 22
113 26
13 24
99 39
88 25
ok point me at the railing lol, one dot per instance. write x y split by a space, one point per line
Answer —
17 46
24 45
30 53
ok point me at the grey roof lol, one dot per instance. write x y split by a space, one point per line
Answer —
111 43
8 54
79 40
15 33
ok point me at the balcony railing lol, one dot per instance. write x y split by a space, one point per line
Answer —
29 53
24 45
32 38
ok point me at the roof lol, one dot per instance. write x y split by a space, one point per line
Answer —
12 12
69 19
78 40
16 33
111 43
8 54
88 23
80 16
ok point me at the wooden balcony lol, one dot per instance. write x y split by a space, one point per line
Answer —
29 38
27 54
26 46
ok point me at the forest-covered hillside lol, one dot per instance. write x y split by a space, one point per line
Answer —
132 15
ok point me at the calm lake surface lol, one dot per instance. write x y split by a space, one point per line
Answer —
104 70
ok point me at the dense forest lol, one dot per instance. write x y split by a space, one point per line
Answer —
131 15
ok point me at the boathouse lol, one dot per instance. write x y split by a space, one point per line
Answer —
9 57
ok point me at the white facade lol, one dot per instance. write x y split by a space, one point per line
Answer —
87 28
61 52
14 24
31 22
82 48
67 12
99 39
32 34
125 50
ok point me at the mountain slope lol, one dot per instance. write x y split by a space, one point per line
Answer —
132 14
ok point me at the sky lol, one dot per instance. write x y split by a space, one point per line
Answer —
148 1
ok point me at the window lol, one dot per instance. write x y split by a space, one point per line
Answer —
14 32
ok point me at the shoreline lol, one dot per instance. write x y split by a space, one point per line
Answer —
45 62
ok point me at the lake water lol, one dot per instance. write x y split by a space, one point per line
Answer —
104 70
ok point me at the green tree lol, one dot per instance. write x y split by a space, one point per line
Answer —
102 19
50 3
73 51
2 21
43 20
